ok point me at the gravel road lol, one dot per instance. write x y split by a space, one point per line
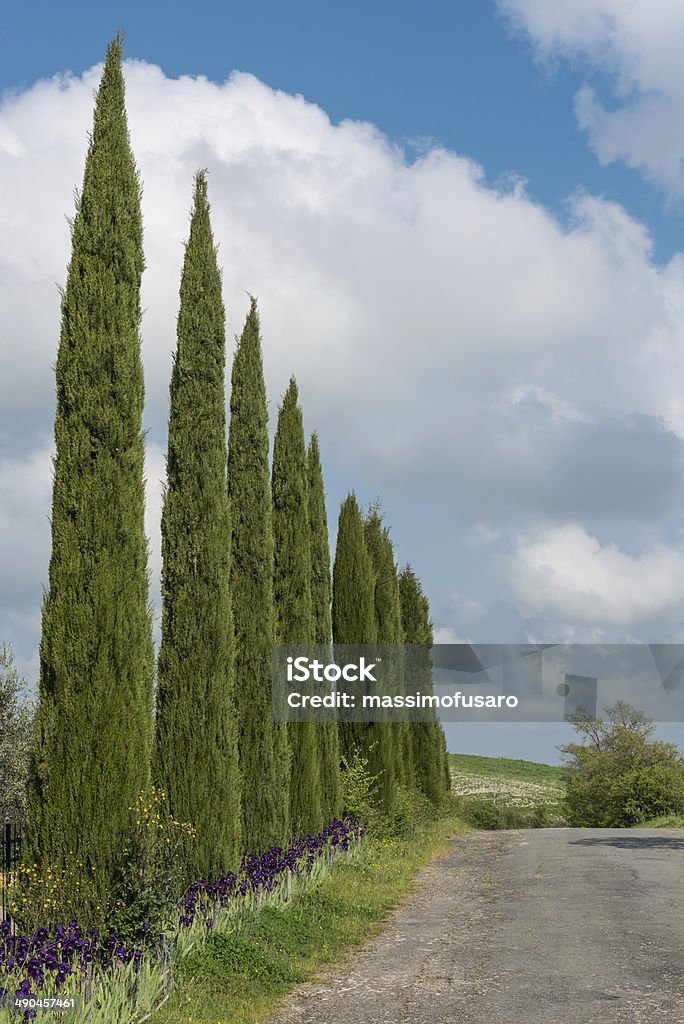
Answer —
546 926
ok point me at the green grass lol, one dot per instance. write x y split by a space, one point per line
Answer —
241 978
521 771
667 821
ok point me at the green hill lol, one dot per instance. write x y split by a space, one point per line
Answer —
520 792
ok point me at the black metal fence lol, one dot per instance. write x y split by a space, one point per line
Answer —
11 842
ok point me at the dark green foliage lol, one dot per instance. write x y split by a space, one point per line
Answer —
292 551
390 753
620 776
353 608
353 602
292 596
195 757
429 748
415 610
321 596
93 736
264 756
487 815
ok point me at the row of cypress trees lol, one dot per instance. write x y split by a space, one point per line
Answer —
246 562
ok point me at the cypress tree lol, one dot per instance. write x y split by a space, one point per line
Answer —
353 595
395 743
321 596
195 757
93 736
429 748
353 608
264 759
292 596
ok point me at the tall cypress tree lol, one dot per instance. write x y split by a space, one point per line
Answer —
321 596
395 743
195 757
264 759
353 608
292 594
92 742
429 748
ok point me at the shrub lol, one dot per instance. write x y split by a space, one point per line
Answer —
152 880
621 776
482 814
360 790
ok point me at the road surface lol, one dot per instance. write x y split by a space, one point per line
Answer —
545 926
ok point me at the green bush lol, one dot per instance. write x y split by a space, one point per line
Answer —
361 797
360 790
152 879
482 814
620 776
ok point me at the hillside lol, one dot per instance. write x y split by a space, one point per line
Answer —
525 786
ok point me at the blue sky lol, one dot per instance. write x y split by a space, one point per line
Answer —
456 74
465 239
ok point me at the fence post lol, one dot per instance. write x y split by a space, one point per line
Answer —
11 841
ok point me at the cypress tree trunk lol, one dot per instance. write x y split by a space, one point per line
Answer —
292 594
264 756
321 596
195 757
429 748
91 752
353 609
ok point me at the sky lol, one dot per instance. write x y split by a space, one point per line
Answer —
464 224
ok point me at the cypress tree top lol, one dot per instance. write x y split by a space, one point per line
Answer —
353 612
291 525
386 592
262 754
321 584
415 609
292 595
321 594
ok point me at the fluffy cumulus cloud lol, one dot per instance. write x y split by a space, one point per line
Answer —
638 44
567 574
452 340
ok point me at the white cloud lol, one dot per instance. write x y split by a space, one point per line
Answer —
567 574
447 635
638 43
446 334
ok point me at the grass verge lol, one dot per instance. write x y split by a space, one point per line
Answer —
240 978
666 821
